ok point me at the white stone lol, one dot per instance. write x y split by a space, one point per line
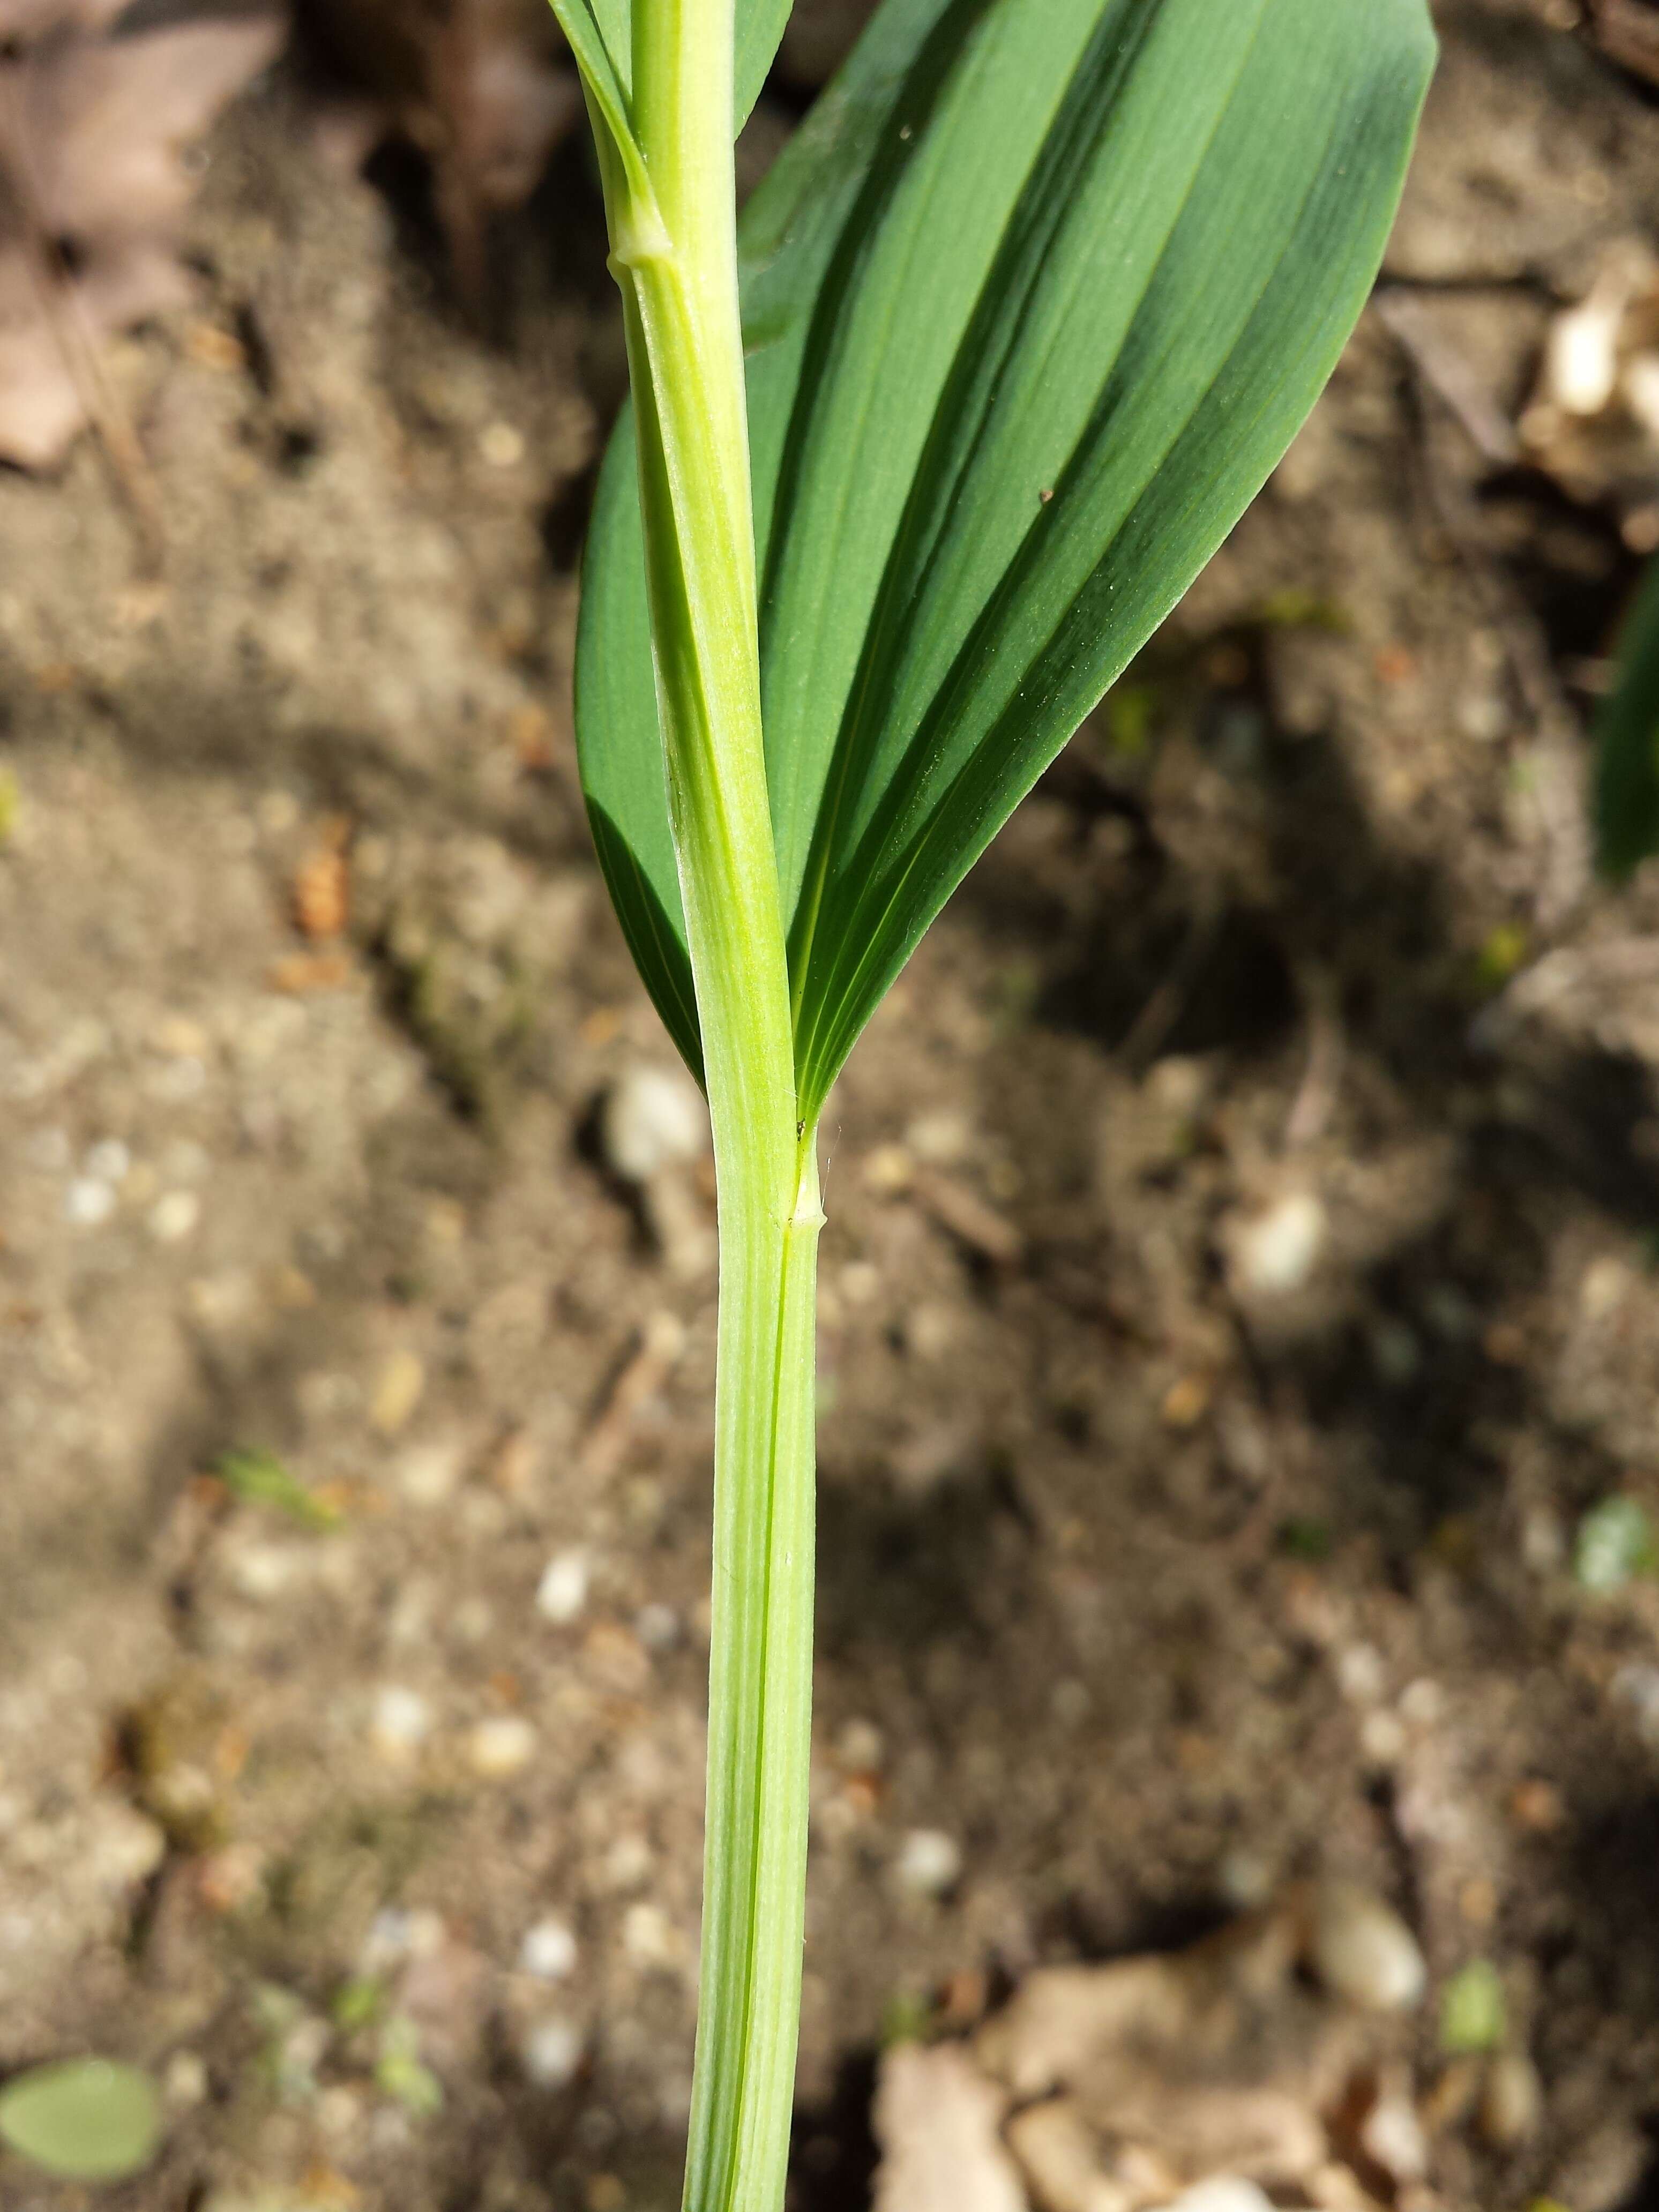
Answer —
174 1216
427 1474
263 1571
929 1861
123 1848
184 2082
502 1747
1392 2136
650 1937
547 1952
1581 355
653 1118
1362 1950
1279 1250
1360 1673
562 1593
87 1201
1222 2192
403 1721
861 1748
551 2051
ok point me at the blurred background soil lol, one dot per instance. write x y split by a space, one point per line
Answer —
1243 1269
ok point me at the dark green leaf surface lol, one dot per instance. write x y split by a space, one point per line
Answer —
1033 303
601 36
1627 744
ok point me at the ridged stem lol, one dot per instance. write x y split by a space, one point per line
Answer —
675 258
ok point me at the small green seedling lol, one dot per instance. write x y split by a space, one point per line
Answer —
1615 1544
1473 2015
917 459
258 1478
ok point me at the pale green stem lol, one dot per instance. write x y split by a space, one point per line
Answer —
676 261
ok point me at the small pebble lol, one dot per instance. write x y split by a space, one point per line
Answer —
403 1721
180 1038
124 1848
1360 1673
263 1571
551 2051
500 446
397 1392
184 2082
1635 1689
1278 1251
427 1474
547 1952
87 1201
107 1161
1222 2192
174 1216
1362 1950
653 1118
1245 1878
502 1747
658 1627
562 1593
1512 2102
1392 2136
650 1937
1383 1739
861 1748
929 1862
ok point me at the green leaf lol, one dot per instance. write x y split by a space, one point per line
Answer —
1615 1544
1473 2015
258 1478
1034 302
1627 744
600 33
82 2119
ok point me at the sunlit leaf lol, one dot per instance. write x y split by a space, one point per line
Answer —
993 445
82 2119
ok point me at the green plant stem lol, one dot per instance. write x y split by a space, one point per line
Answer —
675 256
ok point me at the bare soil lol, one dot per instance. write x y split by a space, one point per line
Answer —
1241 1273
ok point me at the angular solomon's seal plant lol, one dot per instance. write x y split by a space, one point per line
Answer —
918 457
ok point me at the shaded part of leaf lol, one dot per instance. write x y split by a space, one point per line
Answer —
82 2119
1627 744
655 937
619 746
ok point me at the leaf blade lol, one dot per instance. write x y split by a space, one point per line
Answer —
1036 300
82 2119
